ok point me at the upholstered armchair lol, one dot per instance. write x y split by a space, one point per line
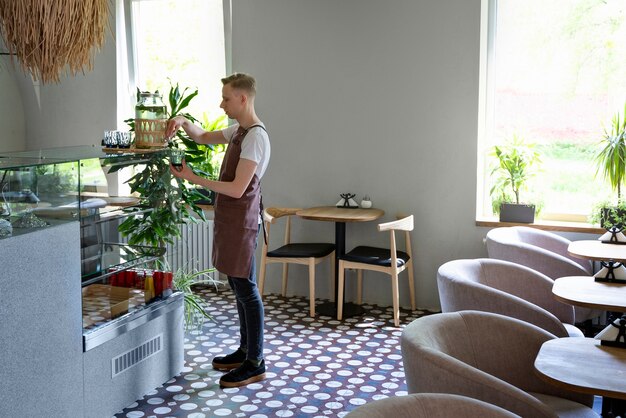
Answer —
504 288
429 405
485 356
540 250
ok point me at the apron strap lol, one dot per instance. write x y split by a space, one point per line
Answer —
262 218
261 195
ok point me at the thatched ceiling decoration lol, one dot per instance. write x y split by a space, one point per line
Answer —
49 37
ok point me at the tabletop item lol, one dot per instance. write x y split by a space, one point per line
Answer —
613 235
176 158
614 334
150 121
347 201
366 202
116 139
611 272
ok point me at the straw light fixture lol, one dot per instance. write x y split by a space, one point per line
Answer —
50 36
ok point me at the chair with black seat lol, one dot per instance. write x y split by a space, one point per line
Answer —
385 260
308 254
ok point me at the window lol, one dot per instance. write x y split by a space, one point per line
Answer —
553 73
182 41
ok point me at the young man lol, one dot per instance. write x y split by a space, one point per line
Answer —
237 218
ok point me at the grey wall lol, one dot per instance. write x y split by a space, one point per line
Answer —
371 97
75 111
362 96
12 135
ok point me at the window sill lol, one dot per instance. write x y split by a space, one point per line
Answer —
545 225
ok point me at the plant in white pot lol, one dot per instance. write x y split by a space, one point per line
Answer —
517 163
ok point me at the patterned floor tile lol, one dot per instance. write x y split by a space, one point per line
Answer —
316 367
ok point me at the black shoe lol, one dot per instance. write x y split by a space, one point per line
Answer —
230 361
243 375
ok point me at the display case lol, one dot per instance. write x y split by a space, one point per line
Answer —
53 186
31 188
62 255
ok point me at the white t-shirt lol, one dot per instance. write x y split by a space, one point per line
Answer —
255 146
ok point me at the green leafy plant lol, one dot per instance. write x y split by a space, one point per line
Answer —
206 159
611 160
608 214
517 163
611 165
195 314
166 202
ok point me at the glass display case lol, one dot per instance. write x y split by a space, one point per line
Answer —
47 187
33 190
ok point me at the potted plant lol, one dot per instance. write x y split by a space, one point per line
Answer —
517 162
195 315
166 202
207 159
611 163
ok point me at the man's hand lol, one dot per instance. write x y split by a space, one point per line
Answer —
174 125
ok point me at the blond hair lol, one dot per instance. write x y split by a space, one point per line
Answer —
241 81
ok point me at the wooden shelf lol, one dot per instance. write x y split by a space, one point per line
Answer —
546 226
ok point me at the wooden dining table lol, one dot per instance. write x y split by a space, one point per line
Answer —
586 292
583 365
597 250
340 216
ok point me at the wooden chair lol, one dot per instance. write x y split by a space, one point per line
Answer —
308 254
389 261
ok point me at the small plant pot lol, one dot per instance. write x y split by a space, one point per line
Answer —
518 213
607 217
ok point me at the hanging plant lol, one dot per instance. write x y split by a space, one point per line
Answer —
48 36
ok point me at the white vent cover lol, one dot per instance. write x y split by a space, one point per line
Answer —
135 356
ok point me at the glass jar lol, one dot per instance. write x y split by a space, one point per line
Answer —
150 121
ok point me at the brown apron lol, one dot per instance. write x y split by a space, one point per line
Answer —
236 223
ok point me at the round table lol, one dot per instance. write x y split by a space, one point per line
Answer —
340 216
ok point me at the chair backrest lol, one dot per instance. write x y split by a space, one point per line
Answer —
404 223
429 405
540 250
271 215
504 288
481 355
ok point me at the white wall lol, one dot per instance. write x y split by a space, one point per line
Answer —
366 96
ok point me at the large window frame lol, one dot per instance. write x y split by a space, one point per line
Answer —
126 69
487 130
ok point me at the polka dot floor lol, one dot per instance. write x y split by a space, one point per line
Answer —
316 367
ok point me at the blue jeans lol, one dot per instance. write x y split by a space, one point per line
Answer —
251 313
